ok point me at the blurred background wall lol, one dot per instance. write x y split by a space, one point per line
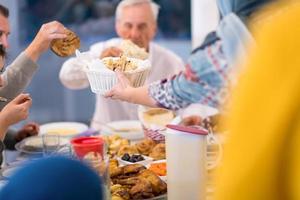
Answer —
181 23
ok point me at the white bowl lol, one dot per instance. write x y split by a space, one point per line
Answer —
145 162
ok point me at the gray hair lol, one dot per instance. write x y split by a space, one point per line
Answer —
124 3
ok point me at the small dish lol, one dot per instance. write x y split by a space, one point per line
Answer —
147 160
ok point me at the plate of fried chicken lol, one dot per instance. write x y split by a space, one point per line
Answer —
135 182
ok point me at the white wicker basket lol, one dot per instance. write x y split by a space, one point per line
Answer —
101 81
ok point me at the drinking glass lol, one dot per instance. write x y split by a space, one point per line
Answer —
51 144
93 151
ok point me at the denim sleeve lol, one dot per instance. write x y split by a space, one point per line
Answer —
203 81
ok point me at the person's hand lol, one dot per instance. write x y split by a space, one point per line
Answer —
192 120
28 130
41 42
111 52
121 90
16 110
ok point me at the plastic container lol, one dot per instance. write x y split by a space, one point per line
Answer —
92 151
102 79
186 158
84 145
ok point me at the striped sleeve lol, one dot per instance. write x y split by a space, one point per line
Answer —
205 80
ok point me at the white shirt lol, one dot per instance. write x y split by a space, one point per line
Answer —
164 63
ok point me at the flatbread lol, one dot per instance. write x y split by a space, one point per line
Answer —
132 50
67 46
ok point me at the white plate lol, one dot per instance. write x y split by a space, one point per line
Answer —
129 129
34 145
2 184
67 129
8 172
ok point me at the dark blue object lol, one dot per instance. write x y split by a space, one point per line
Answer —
54 178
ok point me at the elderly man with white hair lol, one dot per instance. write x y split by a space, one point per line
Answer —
136 20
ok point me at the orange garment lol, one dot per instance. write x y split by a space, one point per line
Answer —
262 155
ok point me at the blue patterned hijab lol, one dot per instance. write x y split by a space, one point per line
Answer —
243 9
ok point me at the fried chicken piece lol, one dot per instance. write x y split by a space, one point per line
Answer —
114 169
158 185
116 197
142 189
113 163
134 168
145 146
125 172
158 152
127 149
115 187
120 192
115 172
131 181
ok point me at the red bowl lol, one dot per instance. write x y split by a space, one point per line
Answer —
85 145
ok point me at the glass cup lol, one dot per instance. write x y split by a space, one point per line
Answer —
51 144
93 151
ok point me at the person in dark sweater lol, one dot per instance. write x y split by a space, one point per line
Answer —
18 74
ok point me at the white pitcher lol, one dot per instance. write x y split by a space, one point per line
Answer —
186 162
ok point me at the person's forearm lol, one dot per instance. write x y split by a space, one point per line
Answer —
3 128
32 52
141 96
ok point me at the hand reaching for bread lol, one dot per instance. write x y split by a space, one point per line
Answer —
111 52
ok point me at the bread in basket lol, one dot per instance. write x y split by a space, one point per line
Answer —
102 76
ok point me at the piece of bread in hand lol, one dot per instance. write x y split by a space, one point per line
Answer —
67 46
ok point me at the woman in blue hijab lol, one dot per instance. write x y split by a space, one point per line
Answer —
54 178
210 69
